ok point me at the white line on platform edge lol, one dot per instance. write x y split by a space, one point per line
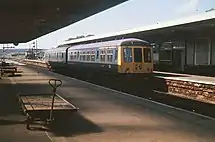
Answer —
140 98
47 134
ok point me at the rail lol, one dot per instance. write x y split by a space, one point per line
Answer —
36 62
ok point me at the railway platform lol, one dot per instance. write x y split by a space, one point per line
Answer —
105 115
12 128
200 88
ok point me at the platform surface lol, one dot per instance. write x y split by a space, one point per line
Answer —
105 116
186 77
12 123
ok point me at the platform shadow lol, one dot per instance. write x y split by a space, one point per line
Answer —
9 102
15 75
10 122
158 84
72 125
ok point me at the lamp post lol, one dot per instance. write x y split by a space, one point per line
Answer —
34 48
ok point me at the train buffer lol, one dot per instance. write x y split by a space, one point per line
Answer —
45 108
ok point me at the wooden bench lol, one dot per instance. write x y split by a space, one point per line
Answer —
8 69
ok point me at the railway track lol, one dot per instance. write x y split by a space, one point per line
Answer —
155 89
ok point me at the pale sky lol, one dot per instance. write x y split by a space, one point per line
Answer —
131 14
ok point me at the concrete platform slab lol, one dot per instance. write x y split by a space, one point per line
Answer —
12 126
186 77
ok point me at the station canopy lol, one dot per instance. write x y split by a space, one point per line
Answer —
25 20
199 25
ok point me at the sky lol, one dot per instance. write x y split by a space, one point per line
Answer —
128 15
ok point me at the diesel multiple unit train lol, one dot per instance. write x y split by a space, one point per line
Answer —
130 55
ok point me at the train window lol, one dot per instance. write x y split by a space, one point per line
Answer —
138 55
102 58
77 55
57 55
116 55
110 51
88 57
127 54
92 57
147 55
109 58
97 54
62 55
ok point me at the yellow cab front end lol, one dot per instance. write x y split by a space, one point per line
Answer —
135 59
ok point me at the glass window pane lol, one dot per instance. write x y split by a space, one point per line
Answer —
138 55
147 55
127 54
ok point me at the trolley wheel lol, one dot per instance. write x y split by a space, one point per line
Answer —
50 121
28 121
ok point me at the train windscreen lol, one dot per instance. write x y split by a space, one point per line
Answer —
127 54
138 55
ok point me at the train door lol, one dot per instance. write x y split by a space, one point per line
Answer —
63 57
147 60
178 59
127 60
138 60
97 56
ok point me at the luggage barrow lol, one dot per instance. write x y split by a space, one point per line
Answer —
44 107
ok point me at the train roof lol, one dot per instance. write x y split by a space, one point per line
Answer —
113 43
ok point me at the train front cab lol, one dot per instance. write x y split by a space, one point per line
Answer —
135 60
